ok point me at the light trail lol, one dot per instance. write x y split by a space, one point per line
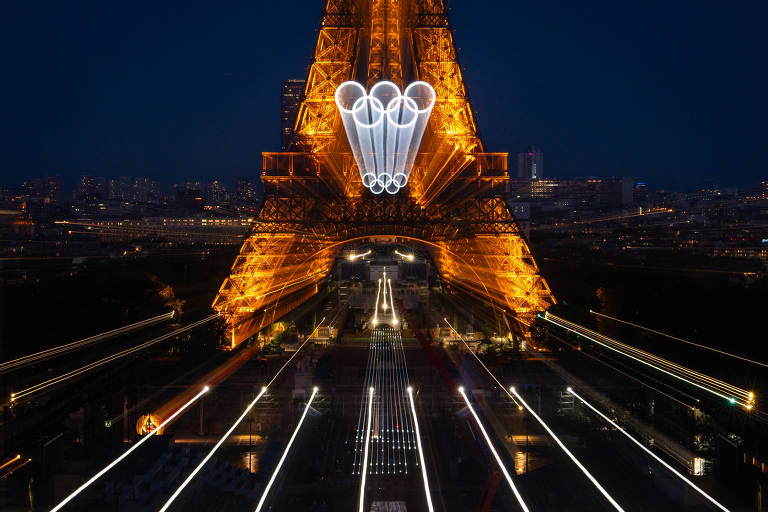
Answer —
27 360
213 451
493 450
705 347
384 297
106 360
394 313
9 473
17 457
639 381
421 451
353 257
519 407
409 257
729 392
649 452
568 452
285 453
364 472
235 424
376 306
129 451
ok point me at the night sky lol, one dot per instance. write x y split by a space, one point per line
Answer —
672 91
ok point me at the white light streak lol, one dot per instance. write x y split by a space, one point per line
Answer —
130 450
394 313
86 368
285 453
353 256
729 392
384 129
62 349
493 451
421 452
212 452
409 257
568 453
361 507
649 452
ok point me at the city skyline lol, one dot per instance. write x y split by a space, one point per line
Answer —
193 109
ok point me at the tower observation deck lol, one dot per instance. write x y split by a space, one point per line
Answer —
453 206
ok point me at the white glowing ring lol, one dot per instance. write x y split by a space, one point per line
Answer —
342 99
374 106
430 92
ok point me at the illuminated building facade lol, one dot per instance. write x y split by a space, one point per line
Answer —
291 92
530 163
316 205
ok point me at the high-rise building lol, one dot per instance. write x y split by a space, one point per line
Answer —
146 190
121 189
216 192
530 164
92 188
51 188
764 189
290 101
247 191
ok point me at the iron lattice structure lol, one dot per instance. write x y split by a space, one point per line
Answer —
453 206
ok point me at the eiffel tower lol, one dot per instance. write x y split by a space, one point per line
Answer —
315 204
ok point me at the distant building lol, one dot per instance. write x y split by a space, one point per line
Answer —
51 188
121 189
764 189
216 192
530 164
146 190
189 201
291 94
92 188
247 190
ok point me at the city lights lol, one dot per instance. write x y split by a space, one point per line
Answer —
285 452
130 450
384 128
493 450
568 452
649 452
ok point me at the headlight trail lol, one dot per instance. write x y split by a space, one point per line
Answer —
364 471
717 387
17 457
27 360
285 453
520 407
235 424
649 452
421 451
101 362
705 347
568 452
129 451
493 450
